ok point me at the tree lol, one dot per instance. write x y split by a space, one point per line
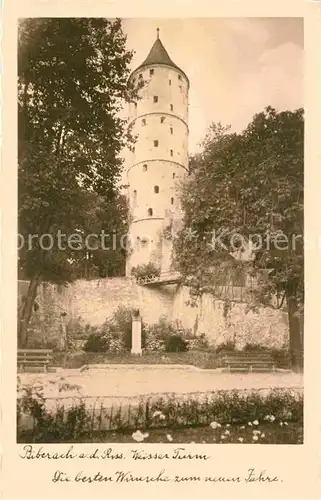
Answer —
72 82
104 227
246 192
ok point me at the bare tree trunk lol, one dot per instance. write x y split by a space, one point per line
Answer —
26 311
296 344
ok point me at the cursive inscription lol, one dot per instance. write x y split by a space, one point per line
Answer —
33 453
177 454
261 477
109 456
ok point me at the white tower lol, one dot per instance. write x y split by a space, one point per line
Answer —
159 159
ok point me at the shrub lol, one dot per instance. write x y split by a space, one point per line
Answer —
74 423
115 335
175 343
254 347
172 337
226 346
145 271
57 345
197 342
96 343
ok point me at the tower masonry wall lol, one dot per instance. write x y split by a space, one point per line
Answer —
157 162
169 84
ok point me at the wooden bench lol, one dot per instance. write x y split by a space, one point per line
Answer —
247 362
34 357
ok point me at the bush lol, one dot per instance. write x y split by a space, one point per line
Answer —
197 342
226 346
48 427
175 343
255 347
172 337
145 271
96 343
55 344
115 335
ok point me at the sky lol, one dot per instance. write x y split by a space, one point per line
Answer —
236 67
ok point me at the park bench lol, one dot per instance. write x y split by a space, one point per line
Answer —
34 358
247 362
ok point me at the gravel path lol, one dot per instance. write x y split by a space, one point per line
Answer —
131 381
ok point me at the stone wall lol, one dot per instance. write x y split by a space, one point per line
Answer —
92 302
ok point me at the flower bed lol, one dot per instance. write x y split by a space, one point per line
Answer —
216 410
265 433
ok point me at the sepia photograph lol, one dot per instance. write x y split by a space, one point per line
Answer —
160 231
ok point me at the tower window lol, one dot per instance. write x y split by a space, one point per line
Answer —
172 130
145 168
172 201
143 122
156 189
135 104
151 72
179 77
172 107
171 151
156 144
135 193
169 82
141 75
150 212
173 175
155 98
162 119
134 149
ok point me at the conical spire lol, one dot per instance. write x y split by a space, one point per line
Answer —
158 55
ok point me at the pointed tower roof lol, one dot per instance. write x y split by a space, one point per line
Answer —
158 55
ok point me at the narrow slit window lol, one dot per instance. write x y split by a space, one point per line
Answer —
143 122
171 152
172 201
173 175
169 82
135 104
172 130
162 119
156 189
179 77
150 212
156 144
172 107
151 72
145 168
155 98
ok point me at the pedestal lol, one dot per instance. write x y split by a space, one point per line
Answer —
136 335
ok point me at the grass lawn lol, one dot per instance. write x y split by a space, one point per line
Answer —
200 358
266 433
